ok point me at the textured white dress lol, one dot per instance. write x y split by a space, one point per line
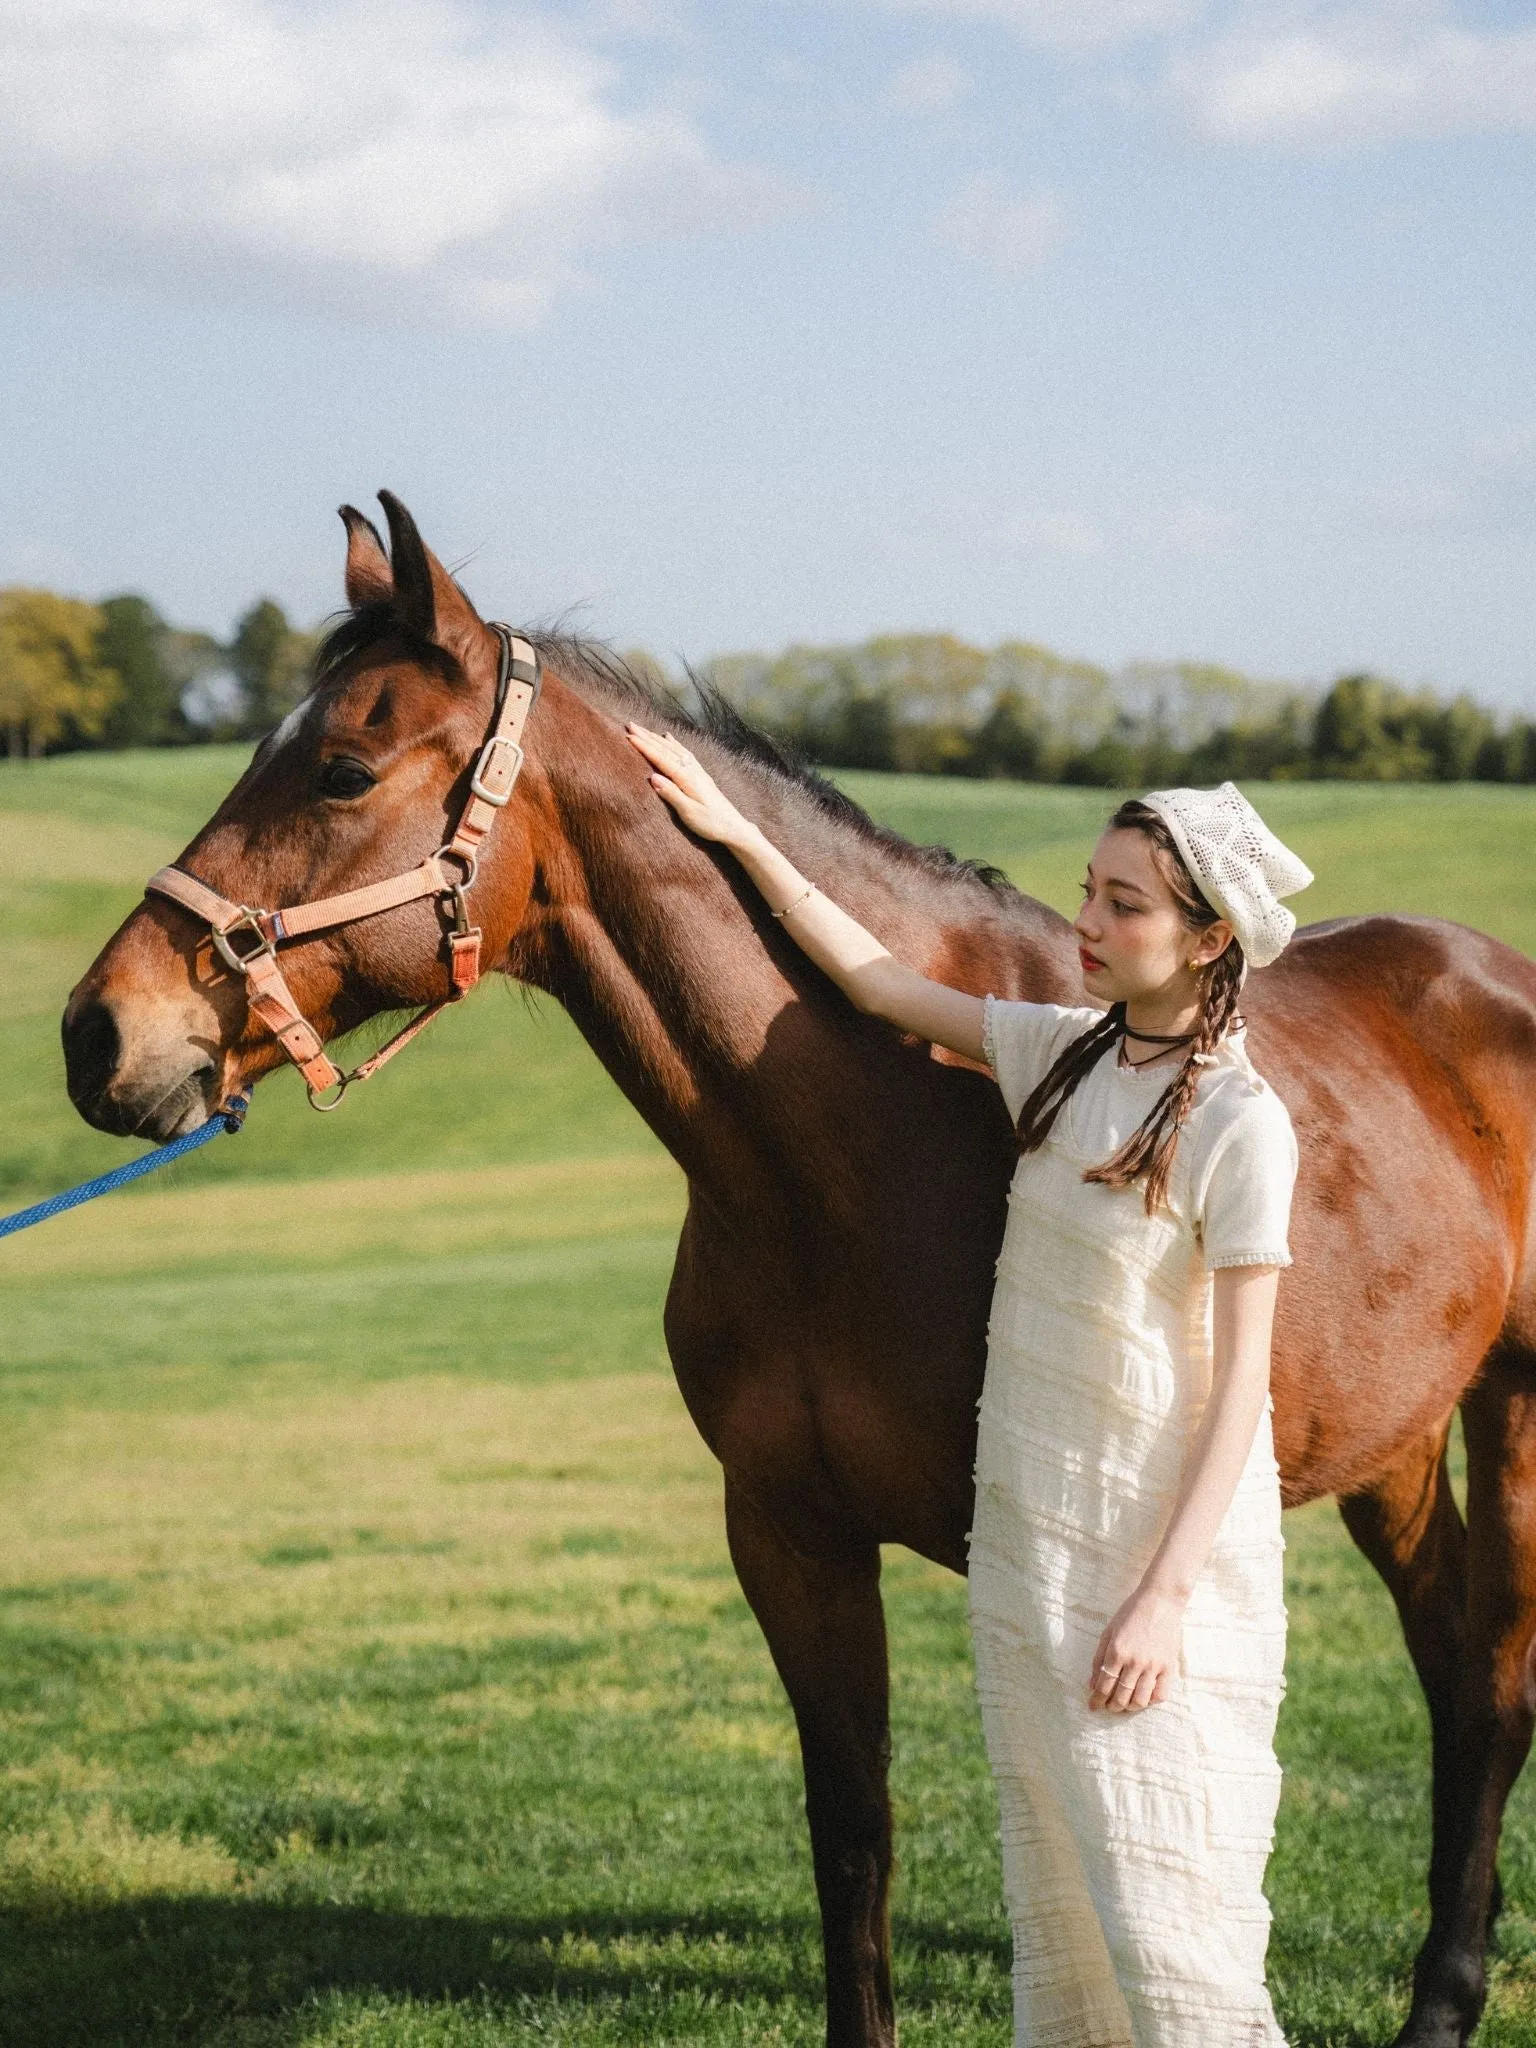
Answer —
1133 1845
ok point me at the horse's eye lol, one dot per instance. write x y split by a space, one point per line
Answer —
343 778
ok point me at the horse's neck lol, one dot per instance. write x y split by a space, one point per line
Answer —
659 951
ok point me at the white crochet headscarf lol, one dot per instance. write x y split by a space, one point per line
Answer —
1238 865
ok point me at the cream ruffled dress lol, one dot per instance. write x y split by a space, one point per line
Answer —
1133 1845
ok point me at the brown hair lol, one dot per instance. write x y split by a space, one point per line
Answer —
1147 1155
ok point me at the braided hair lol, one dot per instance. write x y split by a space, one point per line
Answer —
1147 1155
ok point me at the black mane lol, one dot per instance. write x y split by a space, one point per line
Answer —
710 715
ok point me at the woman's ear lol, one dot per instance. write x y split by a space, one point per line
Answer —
1212 942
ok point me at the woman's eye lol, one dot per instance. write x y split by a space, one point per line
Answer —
346 779
1126 909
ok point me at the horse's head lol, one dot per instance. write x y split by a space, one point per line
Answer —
364 781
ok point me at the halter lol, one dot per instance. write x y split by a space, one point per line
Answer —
247 940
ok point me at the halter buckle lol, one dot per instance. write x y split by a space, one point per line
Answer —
248 921
498 798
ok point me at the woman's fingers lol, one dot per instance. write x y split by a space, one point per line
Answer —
1106 1677
1145 1691
672 758
1128 1686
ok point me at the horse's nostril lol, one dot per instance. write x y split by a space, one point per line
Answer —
92 1049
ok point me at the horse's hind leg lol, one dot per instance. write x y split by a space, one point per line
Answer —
826 1630
1410 1528
1495 1706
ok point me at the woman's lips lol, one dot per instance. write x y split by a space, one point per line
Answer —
1091 963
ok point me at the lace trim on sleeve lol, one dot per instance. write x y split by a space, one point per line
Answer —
989 1033
1280 1258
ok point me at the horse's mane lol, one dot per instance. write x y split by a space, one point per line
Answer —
712 716
592 667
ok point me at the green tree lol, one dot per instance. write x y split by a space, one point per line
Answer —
857 729
1009 741
1454 735
1114 761
269 660
1368 730
134 644
1508 756
1277 748
53 686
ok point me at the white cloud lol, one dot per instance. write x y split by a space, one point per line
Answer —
1329 74
400 158
928 85
1006 231
1341 76
1070 26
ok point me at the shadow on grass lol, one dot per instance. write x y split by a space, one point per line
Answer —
186 1970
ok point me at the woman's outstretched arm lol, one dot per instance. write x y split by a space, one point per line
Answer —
871 978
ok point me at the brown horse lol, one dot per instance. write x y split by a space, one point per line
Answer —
827 1315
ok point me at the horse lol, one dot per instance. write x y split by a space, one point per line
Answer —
827 1314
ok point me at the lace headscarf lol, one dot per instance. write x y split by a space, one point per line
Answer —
1238 865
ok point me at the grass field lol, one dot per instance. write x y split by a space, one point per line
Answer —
373 1671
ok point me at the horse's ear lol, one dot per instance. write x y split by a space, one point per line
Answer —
426 598
414 600
368 580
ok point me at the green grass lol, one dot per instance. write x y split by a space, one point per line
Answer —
373 1671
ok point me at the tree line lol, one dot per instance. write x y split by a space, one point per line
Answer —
117 674
933 704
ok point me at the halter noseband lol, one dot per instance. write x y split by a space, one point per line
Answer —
246 940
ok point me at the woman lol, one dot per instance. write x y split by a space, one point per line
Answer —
1125 1557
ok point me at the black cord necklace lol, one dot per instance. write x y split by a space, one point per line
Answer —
1152 1038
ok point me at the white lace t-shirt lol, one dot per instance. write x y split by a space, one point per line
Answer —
1235 1166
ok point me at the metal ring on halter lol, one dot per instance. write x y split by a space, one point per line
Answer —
248 921
469 861
341 1084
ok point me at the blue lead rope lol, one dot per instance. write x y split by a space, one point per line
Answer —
229 1118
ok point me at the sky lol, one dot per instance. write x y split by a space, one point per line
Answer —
1141 328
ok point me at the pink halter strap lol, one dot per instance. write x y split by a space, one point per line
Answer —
247 939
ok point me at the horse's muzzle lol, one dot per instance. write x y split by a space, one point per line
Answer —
156 1098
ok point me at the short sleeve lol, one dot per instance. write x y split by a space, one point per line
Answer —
1020 1043
1244 1201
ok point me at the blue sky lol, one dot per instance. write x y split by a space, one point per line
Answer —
1139 327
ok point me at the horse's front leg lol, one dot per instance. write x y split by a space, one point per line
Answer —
826 1630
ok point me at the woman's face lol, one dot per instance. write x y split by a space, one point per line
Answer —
1133 942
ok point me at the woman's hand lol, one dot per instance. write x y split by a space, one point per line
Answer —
691 791
1138 1653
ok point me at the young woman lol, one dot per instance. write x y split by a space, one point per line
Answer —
1125 1578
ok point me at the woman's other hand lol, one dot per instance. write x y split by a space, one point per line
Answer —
689 788
1138 1654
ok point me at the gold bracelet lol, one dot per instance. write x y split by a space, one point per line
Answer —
809 893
